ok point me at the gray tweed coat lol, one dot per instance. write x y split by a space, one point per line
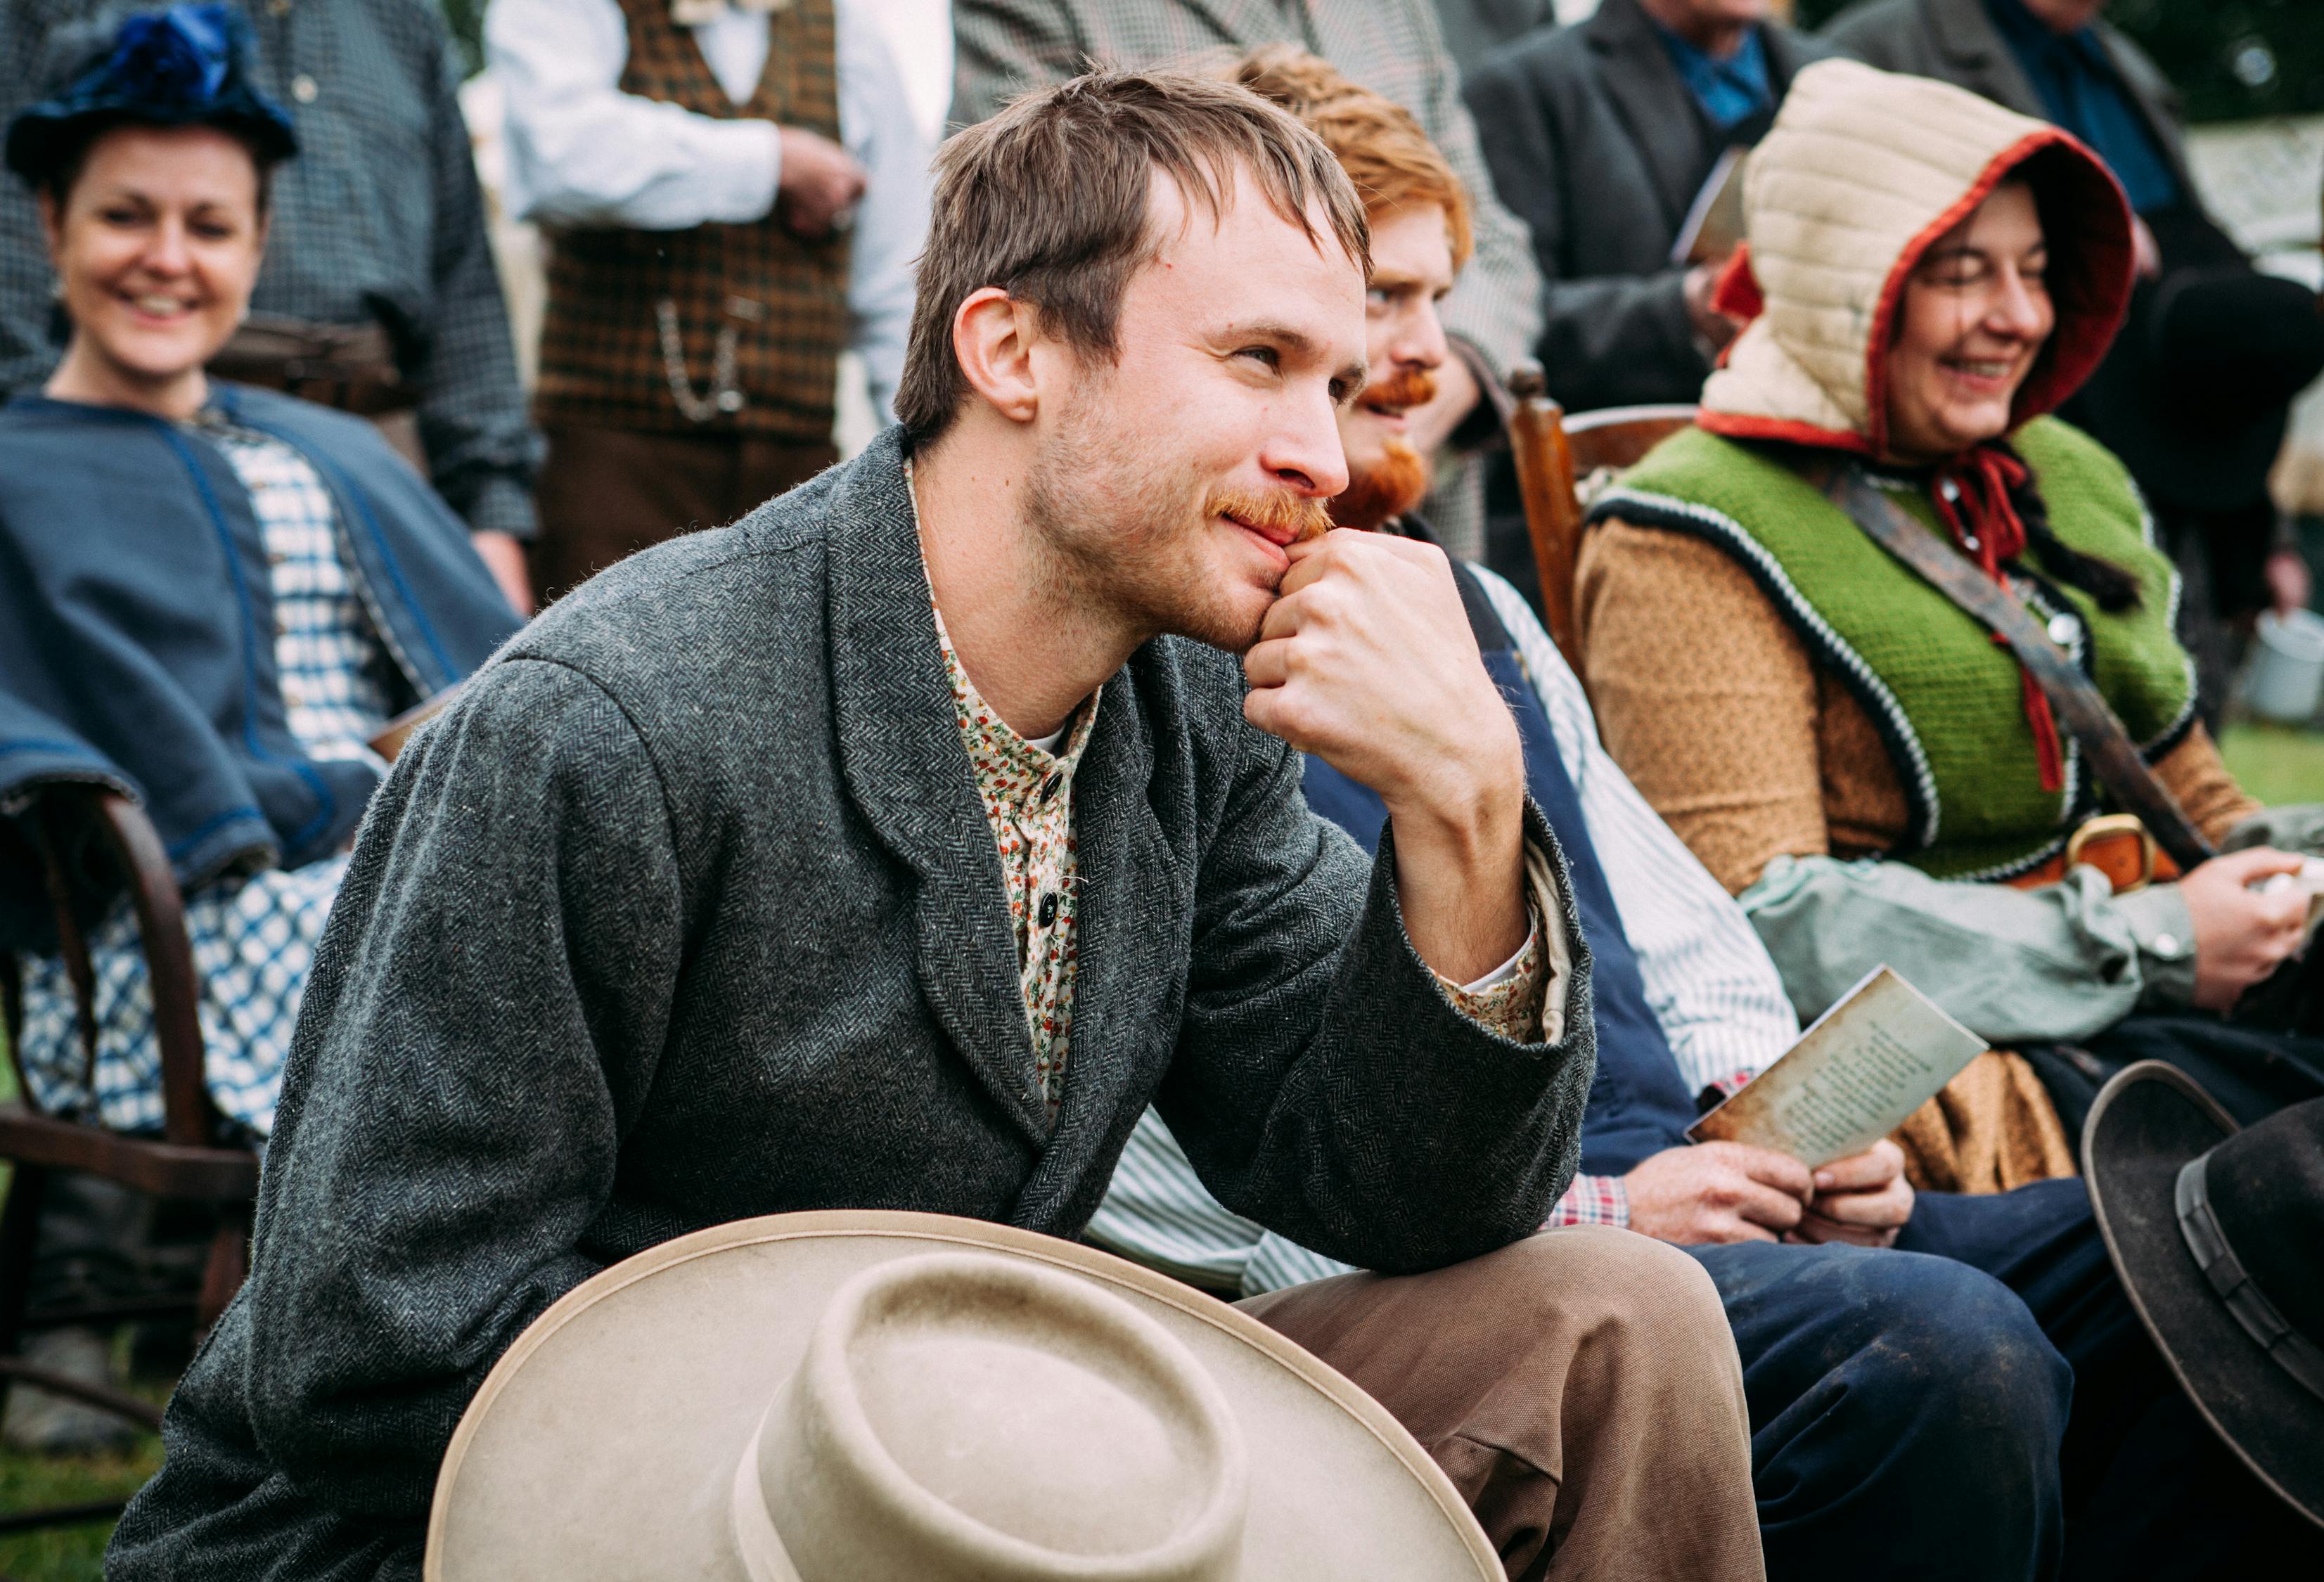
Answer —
686 911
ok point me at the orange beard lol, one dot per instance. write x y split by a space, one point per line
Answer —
1273 509
1384 490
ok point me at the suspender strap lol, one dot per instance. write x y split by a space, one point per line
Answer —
2113 757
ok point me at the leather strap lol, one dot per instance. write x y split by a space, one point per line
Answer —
2113 757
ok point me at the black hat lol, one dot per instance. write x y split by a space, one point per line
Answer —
183 66
2219 1237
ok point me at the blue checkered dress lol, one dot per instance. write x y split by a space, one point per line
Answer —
254 938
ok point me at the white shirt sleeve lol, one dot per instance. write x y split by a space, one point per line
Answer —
582 152
1709 981
878 126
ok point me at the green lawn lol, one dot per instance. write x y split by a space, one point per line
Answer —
66 1554
2275 763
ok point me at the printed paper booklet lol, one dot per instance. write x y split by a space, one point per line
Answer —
1853 1077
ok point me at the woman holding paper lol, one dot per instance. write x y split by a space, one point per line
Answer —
1843 743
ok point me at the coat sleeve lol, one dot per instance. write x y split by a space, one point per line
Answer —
1606 340
1324 1085
485 1012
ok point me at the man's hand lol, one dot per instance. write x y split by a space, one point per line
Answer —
1865 1199
1366 660
503 557
820 182
2243 930
1718 1192
1715 327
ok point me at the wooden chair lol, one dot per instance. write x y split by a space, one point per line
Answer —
71 828
1553 453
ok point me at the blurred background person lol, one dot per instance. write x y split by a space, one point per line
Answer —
379 295
2196 392
1395 48
1601 137
731 192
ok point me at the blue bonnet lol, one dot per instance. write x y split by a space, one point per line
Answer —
186 66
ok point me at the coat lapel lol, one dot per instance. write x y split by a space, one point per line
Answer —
900 753
1128 917
1653 103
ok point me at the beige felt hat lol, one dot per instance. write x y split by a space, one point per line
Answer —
861 1396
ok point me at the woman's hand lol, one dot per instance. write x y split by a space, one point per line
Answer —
2241 934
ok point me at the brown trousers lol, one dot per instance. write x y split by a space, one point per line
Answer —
1579 1387
607 494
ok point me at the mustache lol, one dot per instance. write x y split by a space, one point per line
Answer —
1401 391
1272 511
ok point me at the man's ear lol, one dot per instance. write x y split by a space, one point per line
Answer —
992 337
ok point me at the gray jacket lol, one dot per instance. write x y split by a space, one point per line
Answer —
1596 144
688 911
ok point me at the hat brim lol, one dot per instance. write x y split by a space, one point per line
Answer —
2146 1124
603 1445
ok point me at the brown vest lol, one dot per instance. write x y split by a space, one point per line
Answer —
758 315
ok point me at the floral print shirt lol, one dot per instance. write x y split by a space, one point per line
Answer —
1028 795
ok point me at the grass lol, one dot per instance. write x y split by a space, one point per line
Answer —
66 1554
2276 763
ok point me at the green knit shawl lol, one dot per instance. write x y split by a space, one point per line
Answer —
1944 694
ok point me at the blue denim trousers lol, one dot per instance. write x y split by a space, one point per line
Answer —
1979 1402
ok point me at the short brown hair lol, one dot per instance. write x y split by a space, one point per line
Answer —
1049 201
1375 139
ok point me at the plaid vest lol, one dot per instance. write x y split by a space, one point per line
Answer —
722 328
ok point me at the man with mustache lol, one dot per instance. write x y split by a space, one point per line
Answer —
1913 1365
896 846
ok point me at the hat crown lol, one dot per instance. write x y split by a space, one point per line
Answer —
961 1416
2266 1190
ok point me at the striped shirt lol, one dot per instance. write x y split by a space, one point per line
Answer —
1707 978
253 939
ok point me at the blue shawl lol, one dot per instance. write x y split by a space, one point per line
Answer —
136 628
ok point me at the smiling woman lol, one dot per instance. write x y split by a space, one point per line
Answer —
215 595
1927 276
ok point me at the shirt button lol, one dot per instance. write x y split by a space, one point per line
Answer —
2165 945
1049 786
304 88
2061 629
1048 914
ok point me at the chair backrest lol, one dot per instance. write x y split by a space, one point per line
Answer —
68 825
1554 452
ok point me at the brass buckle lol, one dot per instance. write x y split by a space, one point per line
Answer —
2110 827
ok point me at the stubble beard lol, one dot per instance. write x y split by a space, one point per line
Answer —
1119 533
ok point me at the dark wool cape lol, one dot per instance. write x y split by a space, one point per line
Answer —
686 911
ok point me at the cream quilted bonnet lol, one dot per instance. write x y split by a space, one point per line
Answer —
1862 171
